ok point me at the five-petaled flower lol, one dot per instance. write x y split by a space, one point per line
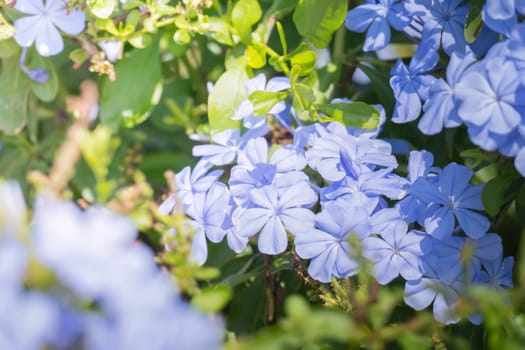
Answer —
40 27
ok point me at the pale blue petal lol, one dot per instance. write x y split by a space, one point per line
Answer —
312 242
419 293
273 239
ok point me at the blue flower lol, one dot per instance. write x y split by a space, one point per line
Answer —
419 165
411 84
188 182
328 243
457 256
420 293
449 198
396 252
227 145
338 154
490 97
41 24
500 15
274 211
499 272
211 213
440 109
95 255
445 22
376 17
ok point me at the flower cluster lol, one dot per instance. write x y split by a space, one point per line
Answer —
331 193
108 292
483 89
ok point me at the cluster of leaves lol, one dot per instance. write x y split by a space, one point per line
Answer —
124 99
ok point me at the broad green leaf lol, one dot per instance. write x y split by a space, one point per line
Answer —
494 192
47 91
14 92
137 89
226 95
221 31
305 60
245 13
8 48
317 20
474 22
102 8
263 101
255 57
212 299
357 114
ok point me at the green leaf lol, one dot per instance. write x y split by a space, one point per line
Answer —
14 92
212 299
140 40
226 95
78 56
317 20
102 8
263 101
182 37
305 60
255 57
8 48
245 13
129 100
474 22
47 91
494 192
357 114
478 154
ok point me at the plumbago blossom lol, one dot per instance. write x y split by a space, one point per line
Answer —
484 89
40 26
95 258
332 196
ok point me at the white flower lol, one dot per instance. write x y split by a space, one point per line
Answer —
42 22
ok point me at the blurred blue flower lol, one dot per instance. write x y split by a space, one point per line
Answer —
40 27
112 49
499 272
95 254
376 18
457 256
328 243
420 293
